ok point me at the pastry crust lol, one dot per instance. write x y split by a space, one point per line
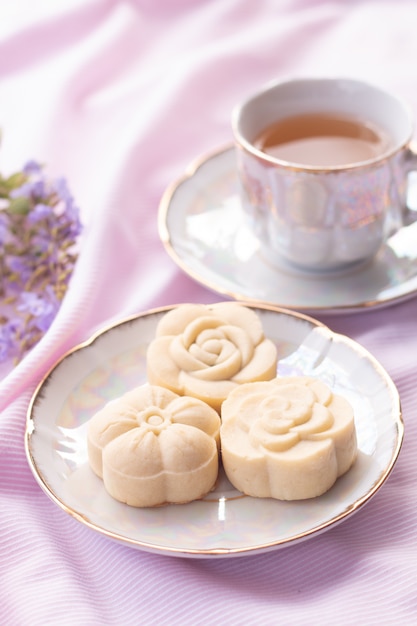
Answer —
289 438
152 447
206 351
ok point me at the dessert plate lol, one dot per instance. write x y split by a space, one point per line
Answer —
202 227
225 523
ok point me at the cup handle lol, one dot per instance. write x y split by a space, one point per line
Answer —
410 166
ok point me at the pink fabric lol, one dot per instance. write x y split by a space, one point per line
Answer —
119 96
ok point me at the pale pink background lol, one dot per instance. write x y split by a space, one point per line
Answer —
119 96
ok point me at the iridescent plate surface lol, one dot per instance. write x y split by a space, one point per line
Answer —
225 523
202 226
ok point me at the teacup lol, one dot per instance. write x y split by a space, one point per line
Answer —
323 167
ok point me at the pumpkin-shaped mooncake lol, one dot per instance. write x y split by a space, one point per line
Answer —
153 447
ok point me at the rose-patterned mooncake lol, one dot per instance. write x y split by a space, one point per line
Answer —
153 447
288 438
206 351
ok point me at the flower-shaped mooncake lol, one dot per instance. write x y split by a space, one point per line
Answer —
289 438
206 351
153 447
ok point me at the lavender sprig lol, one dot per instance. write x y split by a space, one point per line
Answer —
39 230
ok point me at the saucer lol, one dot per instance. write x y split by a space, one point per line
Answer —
202 227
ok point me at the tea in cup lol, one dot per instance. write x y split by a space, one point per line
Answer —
323 167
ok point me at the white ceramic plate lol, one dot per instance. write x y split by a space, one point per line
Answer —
225 523
202 226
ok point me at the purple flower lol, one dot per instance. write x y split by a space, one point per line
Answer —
68 210
21 266
39 226
32 189
32 167
4 228
40 212
42 307
41 243
60 186
31 303
70 229
6 347
8 334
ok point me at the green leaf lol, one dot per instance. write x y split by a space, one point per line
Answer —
11 182
19 206
15 180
